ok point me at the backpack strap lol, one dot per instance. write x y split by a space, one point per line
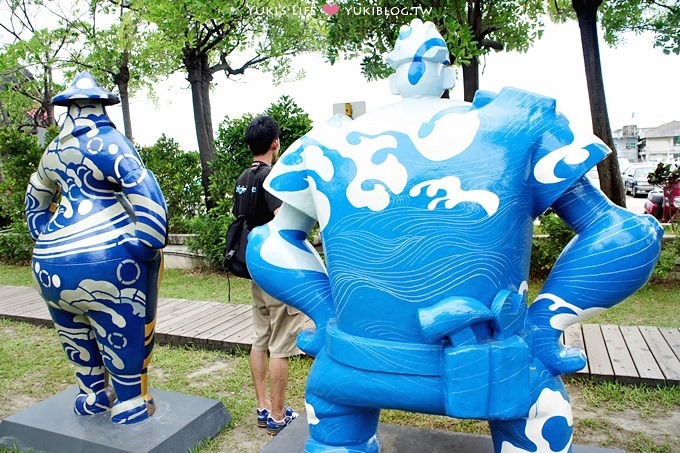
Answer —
248 201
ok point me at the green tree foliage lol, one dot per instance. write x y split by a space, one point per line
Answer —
216 36
471 29
28 60
127 54
231 158
179 174
659 17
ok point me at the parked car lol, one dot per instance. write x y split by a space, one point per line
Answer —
635 179
659 205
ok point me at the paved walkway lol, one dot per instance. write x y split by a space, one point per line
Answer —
627 354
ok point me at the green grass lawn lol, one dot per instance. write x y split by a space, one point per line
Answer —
40 369
176 283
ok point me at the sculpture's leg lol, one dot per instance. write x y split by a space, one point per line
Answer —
340 428
122 348
334 426
126 338
79 343
548 427
155 275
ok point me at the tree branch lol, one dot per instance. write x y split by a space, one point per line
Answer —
491 44
670 8
226 67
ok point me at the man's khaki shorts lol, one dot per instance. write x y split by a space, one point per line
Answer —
276 324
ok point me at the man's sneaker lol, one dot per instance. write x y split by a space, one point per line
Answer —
275 426
262 415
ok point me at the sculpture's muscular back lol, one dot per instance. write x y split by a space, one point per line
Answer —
440 206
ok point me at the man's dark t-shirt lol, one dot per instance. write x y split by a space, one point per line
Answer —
263 204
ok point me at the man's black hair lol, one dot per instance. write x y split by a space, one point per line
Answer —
260 134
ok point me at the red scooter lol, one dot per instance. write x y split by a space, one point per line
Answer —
664 203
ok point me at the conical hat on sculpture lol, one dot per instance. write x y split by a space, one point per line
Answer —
85 87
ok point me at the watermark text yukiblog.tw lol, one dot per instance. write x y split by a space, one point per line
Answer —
334 8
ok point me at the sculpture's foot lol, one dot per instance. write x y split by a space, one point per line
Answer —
132 411
94 403
372 445
150 405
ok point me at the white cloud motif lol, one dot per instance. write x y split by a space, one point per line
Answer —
572 154
322 164
561 321
454 194
389 174
550 404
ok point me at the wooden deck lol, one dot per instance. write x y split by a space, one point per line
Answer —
628 354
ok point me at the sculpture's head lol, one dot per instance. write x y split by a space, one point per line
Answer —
85 87
421 59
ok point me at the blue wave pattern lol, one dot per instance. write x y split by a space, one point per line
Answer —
426 211
99 220
459 250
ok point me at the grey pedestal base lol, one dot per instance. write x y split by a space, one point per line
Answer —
180 423
404 439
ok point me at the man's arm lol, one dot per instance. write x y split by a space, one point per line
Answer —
286 266
612 255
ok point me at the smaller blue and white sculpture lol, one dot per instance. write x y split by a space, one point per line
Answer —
426 210
97 259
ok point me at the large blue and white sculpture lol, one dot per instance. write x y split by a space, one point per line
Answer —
97 258
426 211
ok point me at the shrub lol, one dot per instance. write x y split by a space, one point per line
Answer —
16 245
547 249
19 157
179 175
231 158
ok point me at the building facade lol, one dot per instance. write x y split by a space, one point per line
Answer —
654 144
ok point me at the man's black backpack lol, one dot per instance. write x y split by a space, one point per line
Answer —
235 252
237 233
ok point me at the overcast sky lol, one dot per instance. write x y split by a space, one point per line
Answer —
641 87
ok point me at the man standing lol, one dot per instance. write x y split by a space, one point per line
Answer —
276 325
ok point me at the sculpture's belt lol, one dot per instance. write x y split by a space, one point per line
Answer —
383 355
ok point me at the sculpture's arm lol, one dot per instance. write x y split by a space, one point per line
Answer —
40 194
612 255
143 199
285 265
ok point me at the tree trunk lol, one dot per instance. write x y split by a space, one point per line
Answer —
206 80
125 106
470 79
608 170
471 70
204 139
122 79
4 116
47 97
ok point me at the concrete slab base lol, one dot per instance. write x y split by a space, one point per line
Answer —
404 439
180 423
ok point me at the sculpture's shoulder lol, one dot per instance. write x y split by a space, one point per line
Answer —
516 100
